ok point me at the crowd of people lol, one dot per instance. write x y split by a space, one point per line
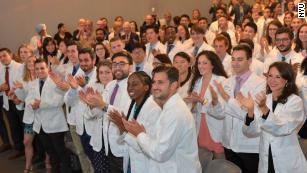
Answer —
175 95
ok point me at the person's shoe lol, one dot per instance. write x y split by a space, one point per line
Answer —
16 155
5 147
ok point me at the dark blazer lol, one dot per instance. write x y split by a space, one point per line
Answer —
236 12
134 38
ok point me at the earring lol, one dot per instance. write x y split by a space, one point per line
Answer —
286 85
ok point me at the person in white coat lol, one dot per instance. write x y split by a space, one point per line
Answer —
197 35
9 73
173 147
154 46
49 119
142 109
182 61
138 56
21 87
99 159
115 96
239 149
208 69
281 116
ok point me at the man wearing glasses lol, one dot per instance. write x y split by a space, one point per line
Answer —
284 40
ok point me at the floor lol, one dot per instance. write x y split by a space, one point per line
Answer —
14 166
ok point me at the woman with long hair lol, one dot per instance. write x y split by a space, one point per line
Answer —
301 40
97 155
21 91
182 62
101 52
280 117
208 69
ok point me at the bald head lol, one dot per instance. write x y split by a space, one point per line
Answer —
127 27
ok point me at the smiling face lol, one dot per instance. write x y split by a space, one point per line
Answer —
204 65
303 34
5 57
105 75
41 70
100 51
162 88
136 88
86 62
120 67
30 63
24 53
275 81
283 42
181 64
50 47
239 62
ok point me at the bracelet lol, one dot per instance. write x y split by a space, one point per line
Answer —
204 102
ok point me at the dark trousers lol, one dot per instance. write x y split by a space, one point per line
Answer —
248 162
55 148
16 125
98 160
3 130
116 163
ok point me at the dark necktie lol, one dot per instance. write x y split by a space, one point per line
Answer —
169 48
87 79
195 51
283 58
137 68
114 94
41 85
7 79
75 69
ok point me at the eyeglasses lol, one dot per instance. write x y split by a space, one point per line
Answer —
282 39
119 64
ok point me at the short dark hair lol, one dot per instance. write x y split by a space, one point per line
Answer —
106 63
40 60
6 49
124 54
163 58
251 25
185 15
60 25
100 29
203 18
156 30
247 42
73 43
115 39
138 46
197 29
287 73
170 26
183 55
171 72
87 50
286 30
243 47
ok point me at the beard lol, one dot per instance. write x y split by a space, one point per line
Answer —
288 47
120 75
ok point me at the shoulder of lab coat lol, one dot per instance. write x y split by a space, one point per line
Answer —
286 118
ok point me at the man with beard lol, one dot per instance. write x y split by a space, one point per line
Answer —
284 40
172 45
173 147
114 95
100 36
86 74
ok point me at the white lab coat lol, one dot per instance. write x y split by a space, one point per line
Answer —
78 108
49 116
158 46
14 74
111 132
203 47
148 116
215 125
280 131
178 47
173 148
147 68
292 57
28 116
234 116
